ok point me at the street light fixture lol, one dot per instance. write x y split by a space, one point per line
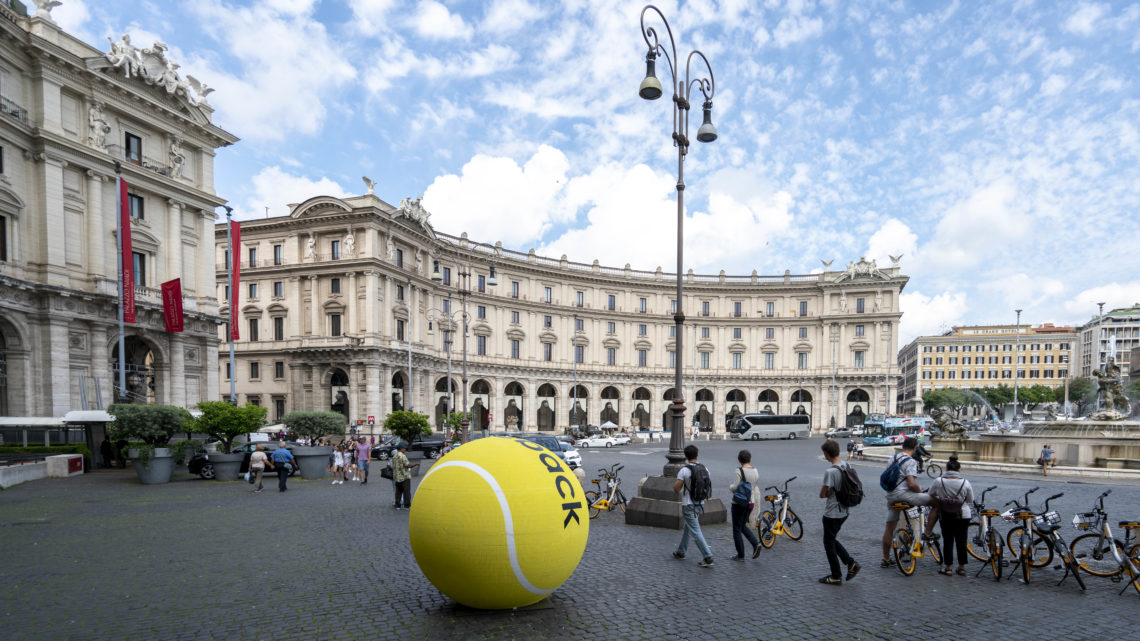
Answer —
651 89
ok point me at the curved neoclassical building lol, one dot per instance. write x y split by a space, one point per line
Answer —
338 297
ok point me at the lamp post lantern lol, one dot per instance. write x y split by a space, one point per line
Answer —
682 87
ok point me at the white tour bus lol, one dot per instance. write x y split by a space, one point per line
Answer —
757 426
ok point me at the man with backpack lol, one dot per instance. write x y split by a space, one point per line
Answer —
695 485
843 490
899 482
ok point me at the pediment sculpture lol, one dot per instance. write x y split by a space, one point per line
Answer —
413 209
155 69
862 269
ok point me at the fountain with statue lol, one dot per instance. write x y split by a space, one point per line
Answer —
1104 438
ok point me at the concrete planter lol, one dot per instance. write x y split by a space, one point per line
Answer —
314 461
157 470
227 467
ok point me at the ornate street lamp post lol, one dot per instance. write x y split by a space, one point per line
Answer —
1016 357
651 89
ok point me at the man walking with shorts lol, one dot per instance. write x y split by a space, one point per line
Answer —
363 457
906 490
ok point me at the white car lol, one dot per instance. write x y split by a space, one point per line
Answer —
596 441
570 455
621 439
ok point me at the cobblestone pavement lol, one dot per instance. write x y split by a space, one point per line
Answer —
102 557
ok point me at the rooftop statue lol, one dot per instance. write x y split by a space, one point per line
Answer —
155 69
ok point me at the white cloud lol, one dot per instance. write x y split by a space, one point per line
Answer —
508 16
1114 295
1054 85
1026 291
72 16
987 222
796 28
370 16
892 239
929 315
274 188
1083 20
496 199
433 20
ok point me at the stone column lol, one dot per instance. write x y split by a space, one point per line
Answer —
372 402
314 309
371 307
530 409
173 239
207 281
58 374
53 255
177 371
95 230
101 366
385 393
295 402
385 309
209 347
296 315
350 305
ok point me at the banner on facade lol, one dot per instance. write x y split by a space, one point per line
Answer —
172 304
235 277
126 255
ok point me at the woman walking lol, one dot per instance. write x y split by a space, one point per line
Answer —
257 462
742 508
955 499
338 465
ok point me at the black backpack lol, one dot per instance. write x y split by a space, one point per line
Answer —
850 492
952 505
700 483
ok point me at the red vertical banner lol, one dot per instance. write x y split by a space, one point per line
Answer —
172 304
235 276
126 257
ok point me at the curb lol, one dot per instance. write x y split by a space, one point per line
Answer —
869 454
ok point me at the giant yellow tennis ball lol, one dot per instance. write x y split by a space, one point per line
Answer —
498 523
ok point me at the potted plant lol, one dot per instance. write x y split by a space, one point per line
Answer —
226 422
149 428
313 461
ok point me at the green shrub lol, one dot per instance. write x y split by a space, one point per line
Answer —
154 425
407 425
226 422
50 450
314 425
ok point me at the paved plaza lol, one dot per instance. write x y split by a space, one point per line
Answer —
102 557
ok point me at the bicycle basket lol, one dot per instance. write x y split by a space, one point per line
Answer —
914 512
1085 521
1046 519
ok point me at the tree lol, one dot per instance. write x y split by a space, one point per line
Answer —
154 425
1034 395
226 422
952 399
1133 390
407 425
1082 393
314 425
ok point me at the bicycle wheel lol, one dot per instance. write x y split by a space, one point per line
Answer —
1094 556
1040 552
793 526
994 544
767 519
1024 558
1134 568
935 548
976 545
591 498
934 470
1071 562
621 501
901 548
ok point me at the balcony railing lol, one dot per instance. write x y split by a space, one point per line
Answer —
12 110
146 162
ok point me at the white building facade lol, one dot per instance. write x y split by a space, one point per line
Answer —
1117 332
68 113
338 297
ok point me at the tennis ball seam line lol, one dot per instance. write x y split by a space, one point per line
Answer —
508 522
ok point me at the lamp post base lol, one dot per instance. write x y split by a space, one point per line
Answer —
657 505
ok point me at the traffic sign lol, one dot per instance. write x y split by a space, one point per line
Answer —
371 420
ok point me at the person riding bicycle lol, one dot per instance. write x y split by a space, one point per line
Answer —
920 453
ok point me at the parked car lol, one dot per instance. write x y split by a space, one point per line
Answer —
596 441
200 463
570 455
430 446
843 432
621 439
857 431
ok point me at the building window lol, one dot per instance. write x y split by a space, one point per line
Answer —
514 348
642 329
481 311
335 247
704 332
227 366
858 330
334 324
548 352
704 308
736 360
514 318
253 291
611 327
137 206
579 325
801 360
334 286
481 283
859 306
399 258
254 371
803 332
446 305
579 353
736 333
769 361
278 289
580 299
673 306
514 289
672 331
279 408
139 260
399 292
278 255
252 257
611 302
737 309
399 330
769 333
611 356
252 329
672 358
642 305
642 357
547 321
279 369
704 360
770 309
859 359
3 238
481 345
278 328
132 148
803 308
447 276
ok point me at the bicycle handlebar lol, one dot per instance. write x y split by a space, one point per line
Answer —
1055 496
982 500
1100 500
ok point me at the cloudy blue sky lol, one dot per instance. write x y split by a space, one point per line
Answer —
994 144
